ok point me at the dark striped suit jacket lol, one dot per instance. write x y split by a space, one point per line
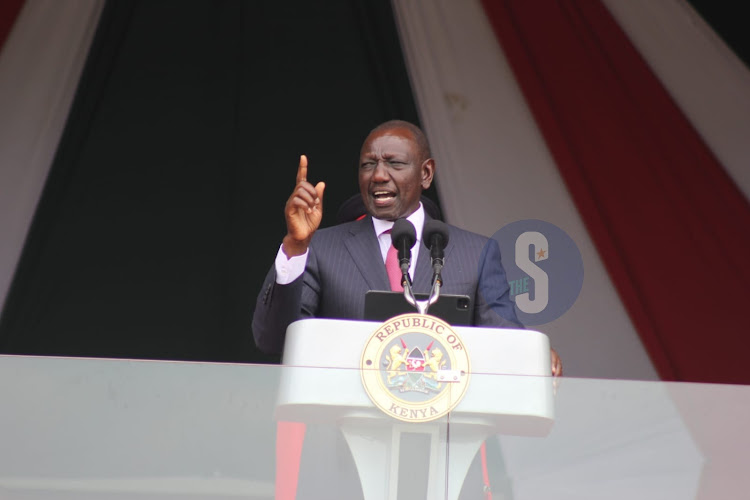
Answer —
344 262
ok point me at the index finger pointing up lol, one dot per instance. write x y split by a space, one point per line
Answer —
302 170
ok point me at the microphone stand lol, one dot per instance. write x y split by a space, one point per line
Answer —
405 242
421 305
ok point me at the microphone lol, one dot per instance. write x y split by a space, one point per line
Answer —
435 237
403 237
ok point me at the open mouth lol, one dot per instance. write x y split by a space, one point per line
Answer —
383 197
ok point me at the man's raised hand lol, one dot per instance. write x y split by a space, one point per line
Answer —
303 212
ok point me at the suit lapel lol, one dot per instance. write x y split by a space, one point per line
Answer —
364 248
423 272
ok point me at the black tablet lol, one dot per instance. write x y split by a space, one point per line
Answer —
453 309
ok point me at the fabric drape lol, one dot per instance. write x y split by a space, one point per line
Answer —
156 225
9 10
668 222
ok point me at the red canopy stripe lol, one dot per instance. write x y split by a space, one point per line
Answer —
9 10
669 224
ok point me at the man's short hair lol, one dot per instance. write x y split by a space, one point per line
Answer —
416 132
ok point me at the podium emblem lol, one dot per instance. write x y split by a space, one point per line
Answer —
415 367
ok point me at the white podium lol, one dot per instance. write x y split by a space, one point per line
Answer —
510 392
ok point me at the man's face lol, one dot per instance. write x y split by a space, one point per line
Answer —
392 173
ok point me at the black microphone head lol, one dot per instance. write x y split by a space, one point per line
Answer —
434 228
403 232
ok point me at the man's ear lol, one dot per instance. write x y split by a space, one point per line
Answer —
428 172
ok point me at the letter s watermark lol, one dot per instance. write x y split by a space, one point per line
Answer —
554 280
541 280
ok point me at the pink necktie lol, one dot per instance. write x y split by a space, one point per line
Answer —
393 269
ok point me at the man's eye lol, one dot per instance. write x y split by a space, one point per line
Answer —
367 164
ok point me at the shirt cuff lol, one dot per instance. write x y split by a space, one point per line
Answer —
289 269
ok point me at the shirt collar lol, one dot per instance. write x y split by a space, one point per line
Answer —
417 219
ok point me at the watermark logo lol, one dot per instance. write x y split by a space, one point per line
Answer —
544 269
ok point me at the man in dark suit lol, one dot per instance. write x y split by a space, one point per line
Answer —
326 272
